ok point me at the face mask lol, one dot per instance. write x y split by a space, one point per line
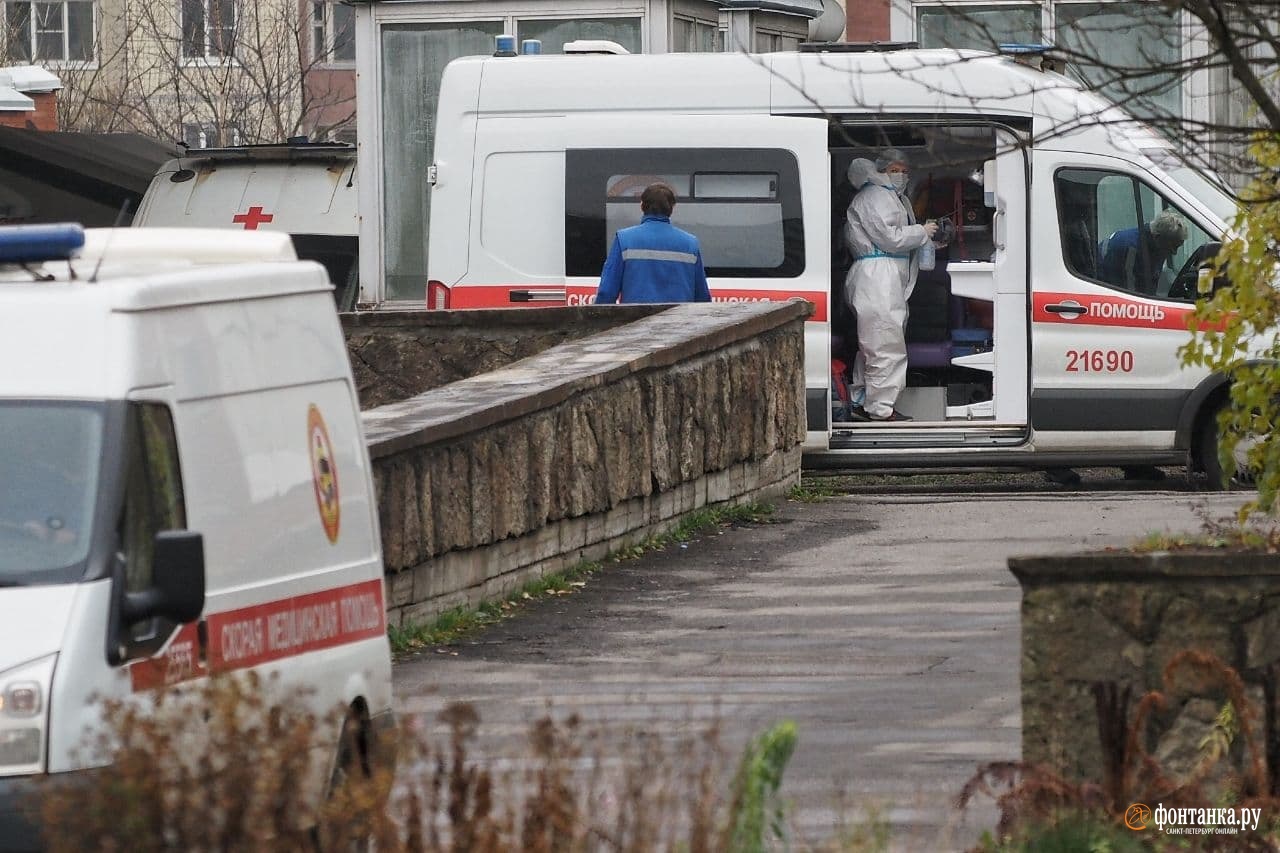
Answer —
898 180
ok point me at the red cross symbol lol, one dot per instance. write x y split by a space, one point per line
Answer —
253 218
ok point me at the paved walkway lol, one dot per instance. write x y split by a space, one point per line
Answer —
886 626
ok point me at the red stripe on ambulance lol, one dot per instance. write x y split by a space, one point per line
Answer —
1098 310
251 636
499 296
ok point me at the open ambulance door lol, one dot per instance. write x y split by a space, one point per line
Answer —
970 390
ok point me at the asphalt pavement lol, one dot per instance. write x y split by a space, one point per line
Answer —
884 623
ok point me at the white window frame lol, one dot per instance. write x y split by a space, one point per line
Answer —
697 22
514 21
323 33
206 55
64 60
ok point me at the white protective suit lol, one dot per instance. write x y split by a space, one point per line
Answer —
883 237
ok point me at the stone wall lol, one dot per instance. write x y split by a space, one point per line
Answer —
397 354
1113 622
589 446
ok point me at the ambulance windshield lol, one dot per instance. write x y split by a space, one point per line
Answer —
50 455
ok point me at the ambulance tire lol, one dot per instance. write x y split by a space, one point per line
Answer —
354 761
1207 449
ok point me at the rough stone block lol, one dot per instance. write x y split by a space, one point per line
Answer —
542 450
1262 637
426 511
509 476
482 488
450 471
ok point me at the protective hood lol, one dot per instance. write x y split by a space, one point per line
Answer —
33 621
863 171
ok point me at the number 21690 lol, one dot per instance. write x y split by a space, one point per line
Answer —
1099 361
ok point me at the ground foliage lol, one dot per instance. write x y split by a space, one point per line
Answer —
1040 810
225 766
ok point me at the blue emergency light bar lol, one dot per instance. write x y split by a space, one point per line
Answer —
30 244
1027 49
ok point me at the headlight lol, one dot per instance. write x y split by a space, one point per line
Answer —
24 707
21 699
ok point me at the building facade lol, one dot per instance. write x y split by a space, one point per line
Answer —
1152 57
199 72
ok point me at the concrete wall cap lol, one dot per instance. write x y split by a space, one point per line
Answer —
1206 566
544 380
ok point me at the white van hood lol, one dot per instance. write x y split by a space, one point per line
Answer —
33 621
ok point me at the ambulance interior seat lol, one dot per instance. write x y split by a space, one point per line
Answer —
931 313
941 326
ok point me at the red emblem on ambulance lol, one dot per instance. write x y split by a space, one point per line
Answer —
253 218
324 472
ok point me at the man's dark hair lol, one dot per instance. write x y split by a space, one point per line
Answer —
658 199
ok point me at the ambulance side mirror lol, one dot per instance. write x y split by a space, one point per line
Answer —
178 593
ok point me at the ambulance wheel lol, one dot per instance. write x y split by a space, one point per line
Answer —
353 759
1240 475
352 765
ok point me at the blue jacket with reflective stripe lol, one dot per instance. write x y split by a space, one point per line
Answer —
653 262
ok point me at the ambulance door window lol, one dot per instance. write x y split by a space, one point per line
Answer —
153 499
743 205
1119 232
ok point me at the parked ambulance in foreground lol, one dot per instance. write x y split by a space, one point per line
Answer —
184 489
1025 348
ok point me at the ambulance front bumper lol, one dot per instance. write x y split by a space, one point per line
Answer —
19 832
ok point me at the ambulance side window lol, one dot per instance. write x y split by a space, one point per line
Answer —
743 205
153 498
1120 232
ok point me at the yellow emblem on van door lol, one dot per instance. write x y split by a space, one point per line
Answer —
324 472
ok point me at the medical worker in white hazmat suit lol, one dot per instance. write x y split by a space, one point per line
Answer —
884 238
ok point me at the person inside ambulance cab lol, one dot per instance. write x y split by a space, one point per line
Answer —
654 261
1134 258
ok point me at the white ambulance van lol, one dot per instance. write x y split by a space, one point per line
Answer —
304 189
1026 346
184 488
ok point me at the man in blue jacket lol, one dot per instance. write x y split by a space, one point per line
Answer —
654 261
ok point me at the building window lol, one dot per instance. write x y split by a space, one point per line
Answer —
414 55
1133 40
774 42
208 29
50 32
554 34
209 135
980 27
692 35
332 32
